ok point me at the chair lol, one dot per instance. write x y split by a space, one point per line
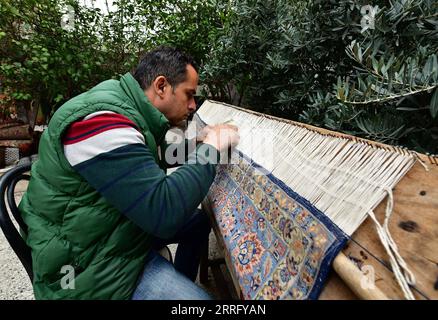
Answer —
166 254
8 183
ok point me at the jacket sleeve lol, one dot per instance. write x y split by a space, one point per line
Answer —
130 180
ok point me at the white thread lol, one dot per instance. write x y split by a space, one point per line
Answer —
410 278
421 161
404 279
342 178
345 179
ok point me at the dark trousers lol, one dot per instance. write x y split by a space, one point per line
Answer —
192 240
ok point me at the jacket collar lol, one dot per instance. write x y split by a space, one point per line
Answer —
156 122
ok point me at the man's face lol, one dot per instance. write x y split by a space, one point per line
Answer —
179 102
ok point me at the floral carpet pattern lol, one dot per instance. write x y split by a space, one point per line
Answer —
280 245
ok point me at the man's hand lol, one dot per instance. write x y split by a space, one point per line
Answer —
221 136
201 136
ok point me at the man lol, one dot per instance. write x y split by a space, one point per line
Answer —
99 200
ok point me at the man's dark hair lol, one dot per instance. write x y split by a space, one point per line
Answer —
163 61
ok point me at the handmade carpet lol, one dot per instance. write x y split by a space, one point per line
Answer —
281 246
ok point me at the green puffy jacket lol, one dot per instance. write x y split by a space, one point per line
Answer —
62 210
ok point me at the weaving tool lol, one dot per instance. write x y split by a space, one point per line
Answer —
349 177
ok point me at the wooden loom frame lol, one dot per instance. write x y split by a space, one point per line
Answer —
414 226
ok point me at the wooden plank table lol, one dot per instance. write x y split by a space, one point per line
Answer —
414 227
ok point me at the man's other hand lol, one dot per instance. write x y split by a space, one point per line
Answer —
221 136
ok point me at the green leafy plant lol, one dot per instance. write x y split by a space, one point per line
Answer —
316 62
46 63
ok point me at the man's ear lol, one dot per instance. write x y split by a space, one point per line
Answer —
160 84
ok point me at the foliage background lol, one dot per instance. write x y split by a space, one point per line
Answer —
306 60
44 63
311 61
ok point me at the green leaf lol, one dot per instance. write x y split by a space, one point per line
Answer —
434 104
375 64
58 98
407 109
434 67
